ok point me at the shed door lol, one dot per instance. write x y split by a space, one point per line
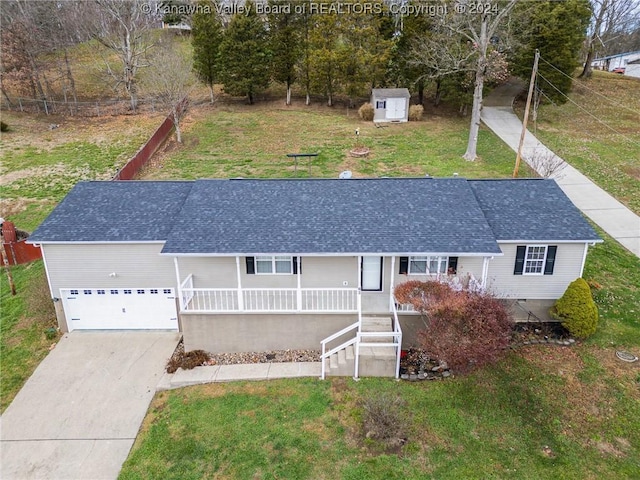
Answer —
396 108
120 308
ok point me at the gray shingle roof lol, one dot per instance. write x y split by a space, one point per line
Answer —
331 216
390 92
394 215
127 211
531 209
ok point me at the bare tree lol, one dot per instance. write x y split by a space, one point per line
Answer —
122 27
169 79
463 40
609 20
546 163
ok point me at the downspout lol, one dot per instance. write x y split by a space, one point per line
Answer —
584 258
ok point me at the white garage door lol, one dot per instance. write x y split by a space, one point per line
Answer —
120 308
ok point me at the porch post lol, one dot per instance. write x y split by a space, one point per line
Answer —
299 292
485 271
179 283
391 282
240 298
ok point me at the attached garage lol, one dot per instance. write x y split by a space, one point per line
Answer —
120 308
390 104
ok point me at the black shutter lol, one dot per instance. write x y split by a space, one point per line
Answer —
551 259
453 265
519 260
404 265
295 266
251 266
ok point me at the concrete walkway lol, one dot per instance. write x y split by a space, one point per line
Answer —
79 413
607 212
227 373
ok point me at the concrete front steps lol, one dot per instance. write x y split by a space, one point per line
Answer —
374 361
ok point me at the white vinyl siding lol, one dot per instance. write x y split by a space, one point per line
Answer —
502 281
134 265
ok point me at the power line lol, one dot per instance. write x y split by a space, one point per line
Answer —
587 88
588 112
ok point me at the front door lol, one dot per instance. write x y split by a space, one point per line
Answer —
372 274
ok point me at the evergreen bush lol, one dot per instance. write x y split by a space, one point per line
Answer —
577 310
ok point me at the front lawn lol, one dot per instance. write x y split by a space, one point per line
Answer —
545 412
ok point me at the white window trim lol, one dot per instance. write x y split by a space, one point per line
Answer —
526 259
428 259
273 264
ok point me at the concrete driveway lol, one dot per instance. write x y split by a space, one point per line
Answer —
79 413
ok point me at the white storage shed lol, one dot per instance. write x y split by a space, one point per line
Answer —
390 104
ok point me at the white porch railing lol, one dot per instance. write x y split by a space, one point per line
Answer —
403 307
265 300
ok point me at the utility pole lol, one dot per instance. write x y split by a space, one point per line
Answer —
532 82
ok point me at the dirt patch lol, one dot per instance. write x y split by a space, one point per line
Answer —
632 170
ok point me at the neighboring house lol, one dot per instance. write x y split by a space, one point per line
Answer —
390 104
612 62
633 69
262 265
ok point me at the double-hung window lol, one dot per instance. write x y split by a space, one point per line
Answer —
426 265
534 259
278 264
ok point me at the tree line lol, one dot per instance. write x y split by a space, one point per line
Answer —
328 52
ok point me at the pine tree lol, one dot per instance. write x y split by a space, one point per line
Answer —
206 36
329 55
558 30
285 42
245 55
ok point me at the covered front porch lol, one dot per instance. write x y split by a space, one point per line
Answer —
342 304
310 284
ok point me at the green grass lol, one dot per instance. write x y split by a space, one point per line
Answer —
614 275
40 165
23 343
610 158
234 141
497 423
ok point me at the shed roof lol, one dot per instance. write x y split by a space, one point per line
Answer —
390 92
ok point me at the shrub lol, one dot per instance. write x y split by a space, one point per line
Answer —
4 127
415 113
465 329
366 112
384 419
187 361
577 310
